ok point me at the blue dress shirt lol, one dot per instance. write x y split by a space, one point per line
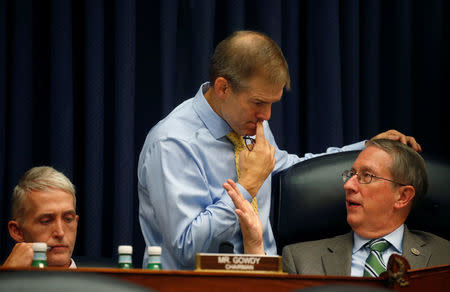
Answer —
182 205
361 252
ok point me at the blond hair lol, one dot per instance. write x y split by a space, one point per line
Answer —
39 178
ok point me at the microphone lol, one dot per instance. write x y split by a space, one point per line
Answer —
226 247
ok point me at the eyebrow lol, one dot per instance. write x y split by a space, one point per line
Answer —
258 99
68 212
364 169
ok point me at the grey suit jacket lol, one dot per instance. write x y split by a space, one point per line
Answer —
333 256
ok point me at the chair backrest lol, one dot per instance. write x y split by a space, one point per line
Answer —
309 200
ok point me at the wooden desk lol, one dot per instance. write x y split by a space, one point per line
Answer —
428 279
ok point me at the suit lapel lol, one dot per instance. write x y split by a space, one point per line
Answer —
338 260
414 250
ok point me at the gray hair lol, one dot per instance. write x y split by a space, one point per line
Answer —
245 54
408 167
39 178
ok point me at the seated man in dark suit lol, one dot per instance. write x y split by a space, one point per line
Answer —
384 182
43 210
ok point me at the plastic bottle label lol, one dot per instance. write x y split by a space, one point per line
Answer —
154 262
39 260
125 266
125 261
154 266
39 256
154 259
125 258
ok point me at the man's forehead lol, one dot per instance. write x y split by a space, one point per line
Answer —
264 98
50 198
372 158
265 95
261 81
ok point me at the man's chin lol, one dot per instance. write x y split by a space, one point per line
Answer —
352 221
58 261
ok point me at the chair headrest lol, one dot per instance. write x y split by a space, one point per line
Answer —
309 200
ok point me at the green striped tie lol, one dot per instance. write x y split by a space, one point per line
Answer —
374 264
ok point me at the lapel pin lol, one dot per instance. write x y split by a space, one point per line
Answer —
415 251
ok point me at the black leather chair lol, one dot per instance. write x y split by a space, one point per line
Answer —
309 200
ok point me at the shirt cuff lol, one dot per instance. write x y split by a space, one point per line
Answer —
229 202
355 146
244 192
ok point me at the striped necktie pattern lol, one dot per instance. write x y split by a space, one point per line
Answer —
375 265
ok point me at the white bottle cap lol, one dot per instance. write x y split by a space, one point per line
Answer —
154 250
40 246
125 249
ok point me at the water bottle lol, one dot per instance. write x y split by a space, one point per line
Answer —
154 258
39 255
125 260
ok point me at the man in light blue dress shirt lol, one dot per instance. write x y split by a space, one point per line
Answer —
187 157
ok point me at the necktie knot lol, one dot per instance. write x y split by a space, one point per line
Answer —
237 140
379 245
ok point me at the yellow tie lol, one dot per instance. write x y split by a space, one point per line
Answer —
239 145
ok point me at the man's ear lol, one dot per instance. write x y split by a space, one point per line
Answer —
405 196
221 87
15 231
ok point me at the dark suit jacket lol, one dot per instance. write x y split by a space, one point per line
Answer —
333 256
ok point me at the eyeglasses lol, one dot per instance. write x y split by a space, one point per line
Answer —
249 142
363 177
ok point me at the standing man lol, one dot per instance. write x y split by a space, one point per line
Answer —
43 210
189 154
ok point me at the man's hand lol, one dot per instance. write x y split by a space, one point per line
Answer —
21 256
397 136
251 226
256 165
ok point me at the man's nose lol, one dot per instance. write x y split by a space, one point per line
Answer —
58 228
351 184
265 113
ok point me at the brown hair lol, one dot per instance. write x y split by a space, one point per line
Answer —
245 54
408 167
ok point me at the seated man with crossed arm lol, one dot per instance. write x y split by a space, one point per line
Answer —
380 189
43 210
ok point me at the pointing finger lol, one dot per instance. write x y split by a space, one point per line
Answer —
259 132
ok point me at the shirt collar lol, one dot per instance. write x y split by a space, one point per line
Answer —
215 124
395 238
72 264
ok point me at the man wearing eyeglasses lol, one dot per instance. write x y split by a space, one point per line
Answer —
189 154
385 180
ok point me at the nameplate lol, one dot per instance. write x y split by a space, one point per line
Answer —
238 262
